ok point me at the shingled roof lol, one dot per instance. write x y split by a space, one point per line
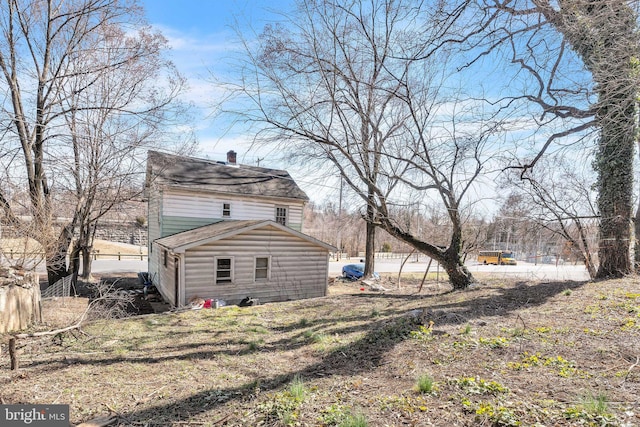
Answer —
180 242
210 175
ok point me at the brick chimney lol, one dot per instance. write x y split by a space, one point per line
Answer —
231 157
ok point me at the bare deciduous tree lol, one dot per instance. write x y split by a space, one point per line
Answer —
112 122
560 200
580 60
75 73
358 84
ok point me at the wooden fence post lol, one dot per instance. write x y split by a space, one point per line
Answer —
12 353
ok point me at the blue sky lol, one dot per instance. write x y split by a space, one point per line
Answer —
201 38
201 35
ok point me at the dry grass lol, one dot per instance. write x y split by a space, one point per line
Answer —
107 247
18 249
504 353
61 312
20 245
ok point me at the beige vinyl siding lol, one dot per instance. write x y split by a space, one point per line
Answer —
191 205
298 268
199 207
165 276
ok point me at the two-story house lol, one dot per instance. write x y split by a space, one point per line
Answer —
227 231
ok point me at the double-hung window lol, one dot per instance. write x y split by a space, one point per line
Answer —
281 215
224 270
226 210
262 268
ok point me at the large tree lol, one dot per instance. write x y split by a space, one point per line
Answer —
112 123
581 58
73 70
361 84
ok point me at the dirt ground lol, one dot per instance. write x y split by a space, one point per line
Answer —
504 353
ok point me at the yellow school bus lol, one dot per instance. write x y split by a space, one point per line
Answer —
496 257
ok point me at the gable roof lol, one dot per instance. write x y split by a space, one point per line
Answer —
180 242
201 174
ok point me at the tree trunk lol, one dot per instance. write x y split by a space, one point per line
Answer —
586 256
74 265
370 250
604 35
87 259
459 275
370 241
449 258
57 258
56 267
615 185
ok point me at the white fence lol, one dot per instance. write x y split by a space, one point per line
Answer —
62 288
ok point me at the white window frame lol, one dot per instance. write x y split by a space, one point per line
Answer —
215 271
255 268
286 214
226 210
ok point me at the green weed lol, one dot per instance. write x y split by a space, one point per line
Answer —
342 416
596 404
334 414
498 415
283 406
480 386
497 342
460 345
517 332
254 345
425 384
258 330
591 309
297 388
423 333
629 323
405 404
316 337
564 368
357 420
593 409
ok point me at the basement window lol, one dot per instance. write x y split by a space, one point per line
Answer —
224 271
